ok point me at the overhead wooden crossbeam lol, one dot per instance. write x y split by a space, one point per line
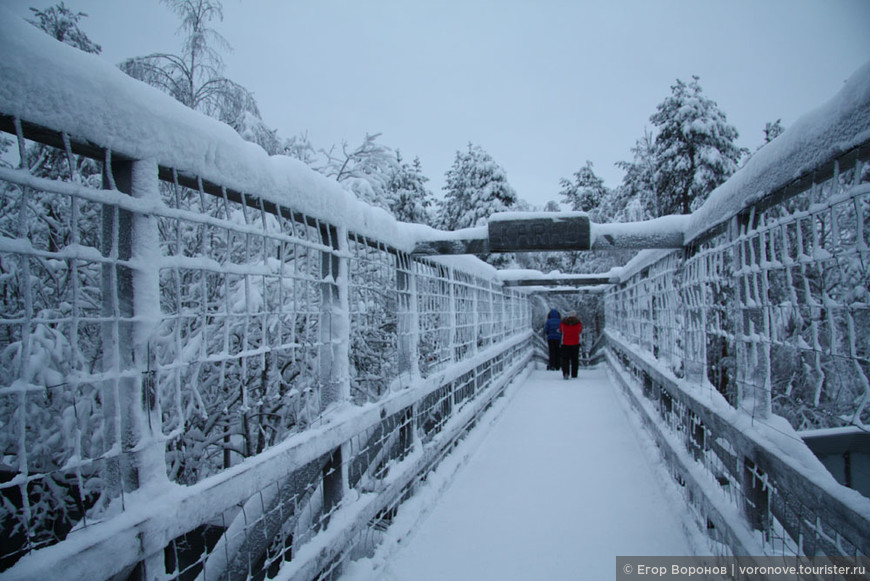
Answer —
570 291
556 231
534 233
575 281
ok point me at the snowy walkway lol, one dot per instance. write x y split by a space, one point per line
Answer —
558 483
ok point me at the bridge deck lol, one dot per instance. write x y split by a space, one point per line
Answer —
555 483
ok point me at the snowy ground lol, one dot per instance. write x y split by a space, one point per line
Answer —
557 481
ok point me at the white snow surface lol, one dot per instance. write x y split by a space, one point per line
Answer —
556 481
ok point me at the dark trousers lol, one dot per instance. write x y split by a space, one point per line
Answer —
570 360
554 345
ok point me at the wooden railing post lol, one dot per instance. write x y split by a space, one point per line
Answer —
756 500
753 354
334 322
131 307
408 318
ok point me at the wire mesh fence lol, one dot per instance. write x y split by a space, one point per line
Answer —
158 329
771 310
771 314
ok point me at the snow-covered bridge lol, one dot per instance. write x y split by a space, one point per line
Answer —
217 364
559 477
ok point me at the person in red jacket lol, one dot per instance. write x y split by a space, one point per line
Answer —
570 329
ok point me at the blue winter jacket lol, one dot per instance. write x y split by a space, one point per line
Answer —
551 327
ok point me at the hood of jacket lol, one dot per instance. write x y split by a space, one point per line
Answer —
569 320
554 314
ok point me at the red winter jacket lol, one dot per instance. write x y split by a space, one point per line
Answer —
570 329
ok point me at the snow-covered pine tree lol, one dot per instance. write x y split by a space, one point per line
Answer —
695 148
634 200
586 192
552 206
410 200
63 24
773 130
477 187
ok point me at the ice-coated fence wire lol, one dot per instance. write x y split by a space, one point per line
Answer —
436 317
772 314
375 304
248 308
790 282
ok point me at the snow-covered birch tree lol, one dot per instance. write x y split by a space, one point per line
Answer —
195 76
365 170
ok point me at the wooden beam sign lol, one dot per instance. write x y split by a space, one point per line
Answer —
567 281
536 234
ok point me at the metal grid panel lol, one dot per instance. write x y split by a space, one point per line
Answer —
236 354
215 344
434 304
463 388
803 278
770 312
709 289
667 314
505 314
434 411
466 328
487 297
259 535
374 318
786 520
628 309
57 319
512 313
231 361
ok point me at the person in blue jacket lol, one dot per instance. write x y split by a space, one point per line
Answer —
554 338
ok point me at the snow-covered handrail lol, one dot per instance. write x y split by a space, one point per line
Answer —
806 151
57 90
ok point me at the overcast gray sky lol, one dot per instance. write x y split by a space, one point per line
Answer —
542 85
